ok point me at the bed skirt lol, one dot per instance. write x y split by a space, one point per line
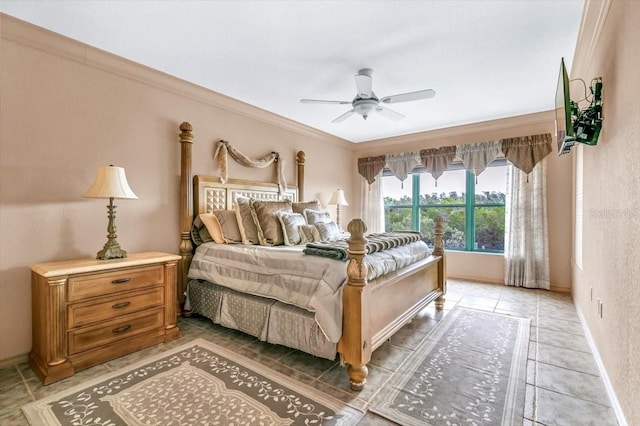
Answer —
266 319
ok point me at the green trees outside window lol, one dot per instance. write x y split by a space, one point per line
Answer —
474 213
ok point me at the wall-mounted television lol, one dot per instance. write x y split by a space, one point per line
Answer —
564 108
572 124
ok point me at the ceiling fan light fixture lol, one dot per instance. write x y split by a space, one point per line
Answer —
364 106
367 101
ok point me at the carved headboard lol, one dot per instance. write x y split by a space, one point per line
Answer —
202 194
210 194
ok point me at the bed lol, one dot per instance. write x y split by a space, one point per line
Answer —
371 310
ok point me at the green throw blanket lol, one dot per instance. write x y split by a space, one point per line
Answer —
338 250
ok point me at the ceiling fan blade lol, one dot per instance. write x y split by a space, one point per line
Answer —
319 101
389 113
344 116
363 83
411 96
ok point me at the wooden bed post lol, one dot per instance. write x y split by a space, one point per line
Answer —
300 157
186 208
438 250
355 344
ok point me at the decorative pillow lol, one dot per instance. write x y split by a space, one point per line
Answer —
328 231
308 234
265 216
229 225
316 216
300 207
199 233
290 223
248 230
213 227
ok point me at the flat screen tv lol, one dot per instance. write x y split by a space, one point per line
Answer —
564 125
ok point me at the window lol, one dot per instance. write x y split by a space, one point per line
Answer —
473 211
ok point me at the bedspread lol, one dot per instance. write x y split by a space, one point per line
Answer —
284 273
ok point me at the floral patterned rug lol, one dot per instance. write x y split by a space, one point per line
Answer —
197 383
470 370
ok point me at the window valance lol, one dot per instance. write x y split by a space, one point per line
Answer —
370 167
401 164
523 152
477 156
437 160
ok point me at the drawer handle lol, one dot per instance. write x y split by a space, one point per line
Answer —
121 281
121 305
121 329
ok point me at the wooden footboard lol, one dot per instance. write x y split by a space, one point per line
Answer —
374 311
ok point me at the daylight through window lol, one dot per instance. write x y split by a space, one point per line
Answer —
473 212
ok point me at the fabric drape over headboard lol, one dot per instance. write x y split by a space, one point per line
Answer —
527 151
223 148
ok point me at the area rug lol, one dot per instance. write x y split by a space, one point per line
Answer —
196 383
470 370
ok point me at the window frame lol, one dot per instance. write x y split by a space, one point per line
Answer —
469 205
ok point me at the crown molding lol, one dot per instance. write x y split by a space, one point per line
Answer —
512 127
26 34
594 16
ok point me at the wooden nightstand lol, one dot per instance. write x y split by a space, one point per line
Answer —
88 311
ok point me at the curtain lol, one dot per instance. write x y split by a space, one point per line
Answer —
371 207
476 156
370 167
401 164
526 245
525 152
437 160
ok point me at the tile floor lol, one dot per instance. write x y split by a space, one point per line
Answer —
563 383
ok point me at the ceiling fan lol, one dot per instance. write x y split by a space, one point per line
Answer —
367 101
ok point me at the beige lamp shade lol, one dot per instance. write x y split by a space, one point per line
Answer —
110 182
337 199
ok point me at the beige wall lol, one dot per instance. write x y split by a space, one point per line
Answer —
609 46
68 108
489 267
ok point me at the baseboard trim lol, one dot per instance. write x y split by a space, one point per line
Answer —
603 373
14 360
476 279
560 289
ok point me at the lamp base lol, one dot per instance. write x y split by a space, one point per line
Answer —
111 250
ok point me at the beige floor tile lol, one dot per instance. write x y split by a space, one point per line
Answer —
554 408
563 340
14 418
13 396
561 351
566 358
571 383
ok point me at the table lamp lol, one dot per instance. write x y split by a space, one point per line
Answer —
110 183
337 199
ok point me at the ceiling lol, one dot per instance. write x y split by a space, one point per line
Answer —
485 59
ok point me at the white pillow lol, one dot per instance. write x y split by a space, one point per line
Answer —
290 223
328 231
316 216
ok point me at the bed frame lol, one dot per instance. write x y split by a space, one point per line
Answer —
373 310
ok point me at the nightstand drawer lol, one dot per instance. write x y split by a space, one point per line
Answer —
89 312
90 337
106 283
